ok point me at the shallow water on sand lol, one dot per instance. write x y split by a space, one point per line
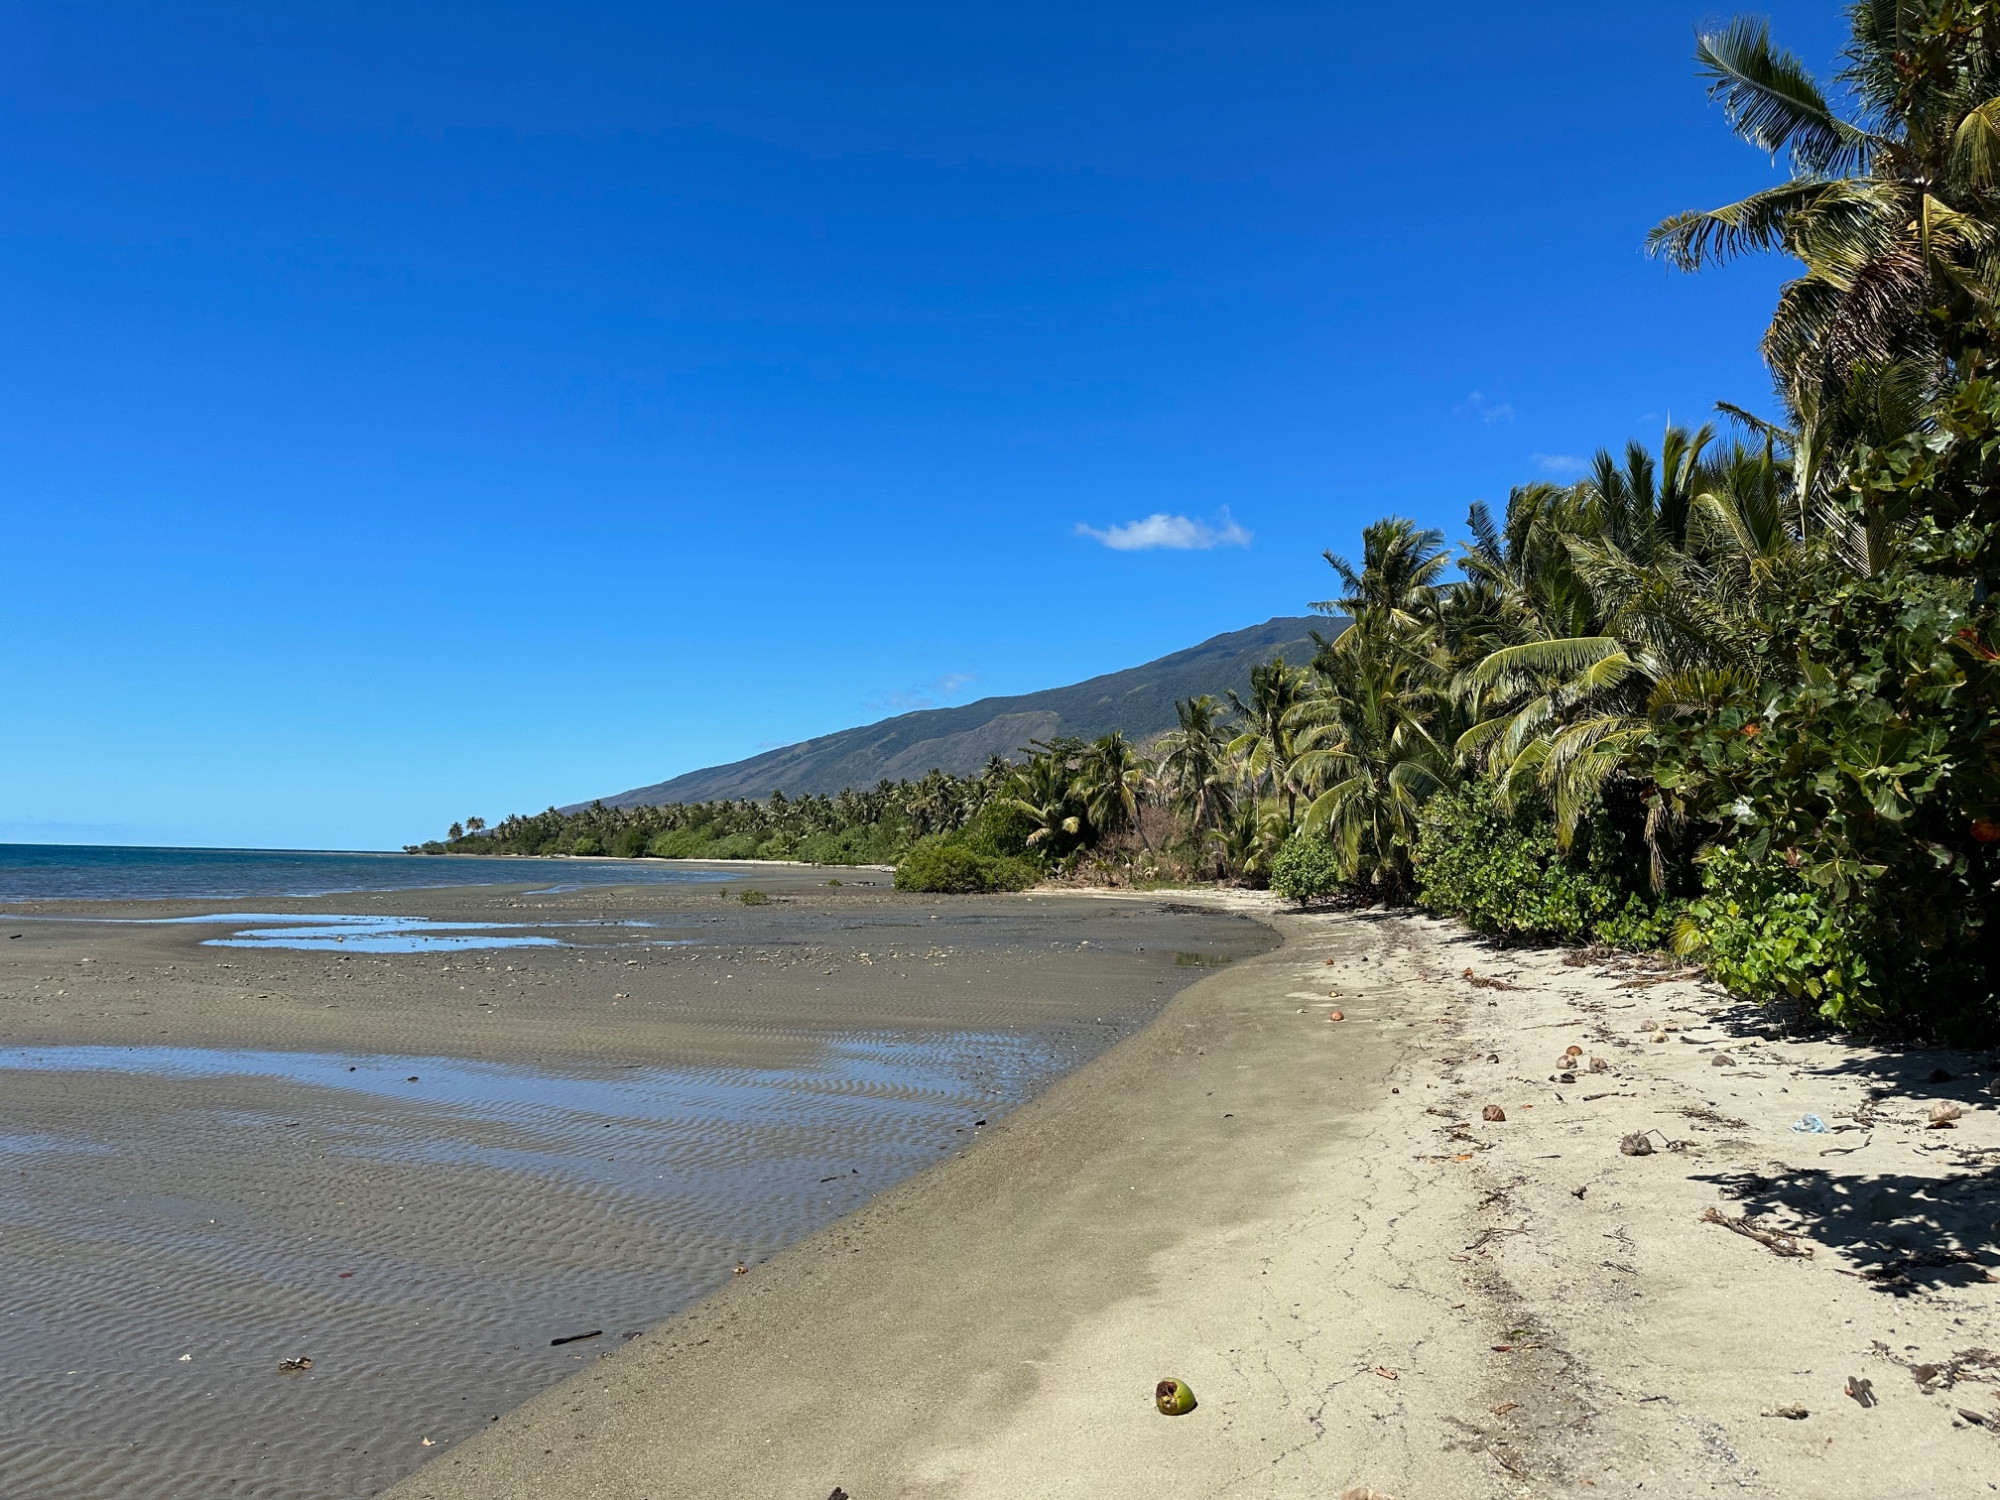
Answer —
91 872
423 1223
169 1249
329 932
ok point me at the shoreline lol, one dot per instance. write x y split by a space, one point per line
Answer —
420 1168
1366 1284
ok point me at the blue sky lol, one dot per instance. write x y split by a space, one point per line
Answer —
408 412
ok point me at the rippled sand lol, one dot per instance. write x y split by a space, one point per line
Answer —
532 1143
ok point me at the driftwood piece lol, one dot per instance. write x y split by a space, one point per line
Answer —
1774 1240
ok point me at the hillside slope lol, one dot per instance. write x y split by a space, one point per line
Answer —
1138 700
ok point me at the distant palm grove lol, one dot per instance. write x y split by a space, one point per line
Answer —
1738 695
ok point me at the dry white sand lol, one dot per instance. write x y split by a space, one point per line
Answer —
1365 1282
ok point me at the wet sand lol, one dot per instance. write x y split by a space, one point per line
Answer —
534 1142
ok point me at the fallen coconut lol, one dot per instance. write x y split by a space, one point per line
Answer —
1636 1144
1494 1114
1173 1397
1942 1115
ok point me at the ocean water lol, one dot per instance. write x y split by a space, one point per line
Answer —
91 872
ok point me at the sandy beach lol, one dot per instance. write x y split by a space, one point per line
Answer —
1369 1283
419 1169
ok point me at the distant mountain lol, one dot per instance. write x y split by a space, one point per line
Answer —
1139 700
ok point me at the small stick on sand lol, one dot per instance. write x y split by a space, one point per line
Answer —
1774 1240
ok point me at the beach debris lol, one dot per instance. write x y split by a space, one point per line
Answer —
1577 1193
1362 1492
838 1492
1861 1390
577 1338
1942 1116
1722 1060
1173 1397
300 1362
1335 1015
741 1269
1599 1065
186 1359
1976 1418
1386 1373
1493 1114
1562 1078
1572 1050
1481 982
1942 1075
1809 1125
1774 1240
411 1079
1506 1406
1493 1057
1636 1144
1789 1413
428 1443
1659 1036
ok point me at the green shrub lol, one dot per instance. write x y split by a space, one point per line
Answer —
942 863
586 844
1766 934
1306 867
1506 875
734 846
1855 793
678 843
1001 831
629 843
870 845
754 898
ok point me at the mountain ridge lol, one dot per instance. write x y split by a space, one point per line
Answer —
1138 700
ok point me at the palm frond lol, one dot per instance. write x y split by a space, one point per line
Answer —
1975 145
1558 657
1774 103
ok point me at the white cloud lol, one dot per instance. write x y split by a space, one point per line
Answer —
1489 412
1175 533
1560 463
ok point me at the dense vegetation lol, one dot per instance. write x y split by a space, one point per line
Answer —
1740 694
854 828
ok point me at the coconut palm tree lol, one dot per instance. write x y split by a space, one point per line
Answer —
1376 756
1396 587
1267 740
1111 781
1043 790
1194 770
1893 209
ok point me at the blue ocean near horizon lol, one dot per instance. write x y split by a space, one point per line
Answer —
107 872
